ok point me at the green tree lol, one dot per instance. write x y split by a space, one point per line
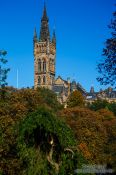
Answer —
103 104
112 107
46 144
75 99
98 104
50 98
3 70
107 66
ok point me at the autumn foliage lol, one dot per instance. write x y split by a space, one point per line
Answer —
95 133
75 99
30 120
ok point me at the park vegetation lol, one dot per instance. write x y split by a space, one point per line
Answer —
38 136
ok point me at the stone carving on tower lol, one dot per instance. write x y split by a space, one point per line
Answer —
44 55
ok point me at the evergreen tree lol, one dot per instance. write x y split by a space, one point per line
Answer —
107 67
3 70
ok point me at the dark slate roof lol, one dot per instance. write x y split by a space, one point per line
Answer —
58 88
79 87
109 94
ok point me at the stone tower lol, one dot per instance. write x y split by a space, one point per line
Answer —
44 55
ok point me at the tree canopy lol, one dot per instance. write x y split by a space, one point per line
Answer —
28 126
95 133
3 70
38 136
103 104
43 136
75 99
107 66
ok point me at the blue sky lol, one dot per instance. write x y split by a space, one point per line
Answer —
81 30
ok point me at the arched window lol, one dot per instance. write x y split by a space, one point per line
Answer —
39 66
39 80
44 80
44 66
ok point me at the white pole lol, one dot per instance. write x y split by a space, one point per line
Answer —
17 79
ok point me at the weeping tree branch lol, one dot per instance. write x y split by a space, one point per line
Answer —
69 150
50 158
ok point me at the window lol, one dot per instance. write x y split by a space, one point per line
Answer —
44 66
44 80
39 66
39 80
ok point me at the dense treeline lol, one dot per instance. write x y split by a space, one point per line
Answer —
39 137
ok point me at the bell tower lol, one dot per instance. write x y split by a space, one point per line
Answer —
44 55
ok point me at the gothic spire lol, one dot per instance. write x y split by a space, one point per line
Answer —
44 31
45 18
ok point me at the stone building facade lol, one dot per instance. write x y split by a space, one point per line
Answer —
108 94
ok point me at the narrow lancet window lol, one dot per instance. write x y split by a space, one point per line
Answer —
44 66
39 66
44 80
39 80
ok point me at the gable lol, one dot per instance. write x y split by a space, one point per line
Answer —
60 81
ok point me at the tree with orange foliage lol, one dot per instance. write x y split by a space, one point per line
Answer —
95 133
75 99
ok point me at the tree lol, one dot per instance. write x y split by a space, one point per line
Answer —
103 104
107 66
35 115
45 144
75 99
89 131
112 107
95 133
98 104
50 98
3 71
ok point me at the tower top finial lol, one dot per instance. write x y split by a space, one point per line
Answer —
44 18
44 31
44 3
